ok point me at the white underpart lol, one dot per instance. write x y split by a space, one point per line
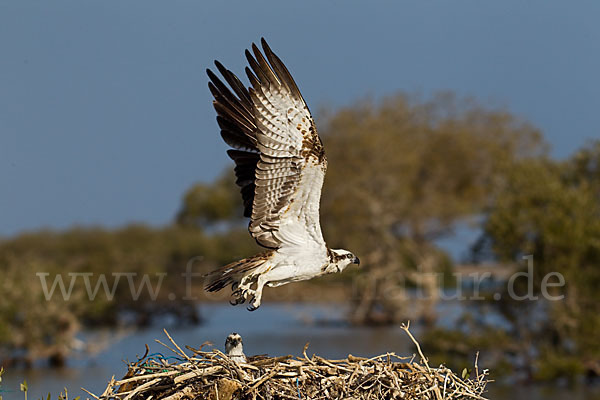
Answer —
237 354
303 254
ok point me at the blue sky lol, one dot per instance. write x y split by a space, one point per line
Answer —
106 119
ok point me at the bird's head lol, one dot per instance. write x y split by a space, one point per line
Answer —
233 341
342 258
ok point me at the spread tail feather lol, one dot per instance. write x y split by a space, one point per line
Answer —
231 274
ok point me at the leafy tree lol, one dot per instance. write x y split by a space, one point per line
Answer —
205 205
401 173
551 210
37 327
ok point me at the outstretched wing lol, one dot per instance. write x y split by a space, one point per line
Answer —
280 161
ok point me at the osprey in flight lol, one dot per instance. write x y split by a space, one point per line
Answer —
280 164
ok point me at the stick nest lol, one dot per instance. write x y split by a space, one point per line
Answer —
212 375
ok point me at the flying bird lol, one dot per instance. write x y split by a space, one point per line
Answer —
280 165
234 348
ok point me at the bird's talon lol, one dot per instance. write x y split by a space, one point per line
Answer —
236 301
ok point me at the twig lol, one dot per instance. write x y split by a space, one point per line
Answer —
90 393
181 352
405 328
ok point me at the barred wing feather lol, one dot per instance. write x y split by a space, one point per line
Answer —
280 162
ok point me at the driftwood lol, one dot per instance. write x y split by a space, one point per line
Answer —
212 375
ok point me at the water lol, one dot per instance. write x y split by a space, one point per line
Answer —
273 329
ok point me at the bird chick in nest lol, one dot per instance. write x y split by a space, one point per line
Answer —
234 348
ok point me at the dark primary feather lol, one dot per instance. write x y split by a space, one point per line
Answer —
235 116
233 81
281 69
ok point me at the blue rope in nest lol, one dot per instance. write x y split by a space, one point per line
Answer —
159 357
298 387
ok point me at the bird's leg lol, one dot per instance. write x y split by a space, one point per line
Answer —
260 283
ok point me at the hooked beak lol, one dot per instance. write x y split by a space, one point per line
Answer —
356 261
